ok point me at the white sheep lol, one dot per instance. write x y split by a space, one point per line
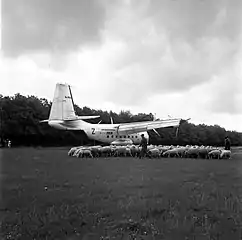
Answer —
106 151
87 153
225 154
76 153
170 152
154 152
84 153
72 150
122 150
214 154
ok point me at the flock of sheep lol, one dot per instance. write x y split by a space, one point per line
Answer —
205 152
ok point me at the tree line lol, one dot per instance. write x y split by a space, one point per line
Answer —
20 116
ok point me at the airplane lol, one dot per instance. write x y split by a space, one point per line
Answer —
63 117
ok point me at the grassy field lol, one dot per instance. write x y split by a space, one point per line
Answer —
47 195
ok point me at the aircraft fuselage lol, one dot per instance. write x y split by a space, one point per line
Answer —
106 133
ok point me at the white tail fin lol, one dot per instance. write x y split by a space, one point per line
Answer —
62 106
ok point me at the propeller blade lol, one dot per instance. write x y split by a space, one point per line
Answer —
154 117
156 132
99 121
177 130
111 119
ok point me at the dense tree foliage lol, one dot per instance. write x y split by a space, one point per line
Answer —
20 116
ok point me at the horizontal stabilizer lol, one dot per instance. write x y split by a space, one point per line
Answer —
72 119
42 121
81 118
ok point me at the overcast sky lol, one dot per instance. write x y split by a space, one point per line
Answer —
170 57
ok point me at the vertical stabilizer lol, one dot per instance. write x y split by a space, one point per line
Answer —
62 106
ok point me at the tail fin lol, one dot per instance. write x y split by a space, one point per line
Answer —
62 106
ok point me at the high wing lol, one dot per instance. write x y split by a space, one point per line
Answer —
135 127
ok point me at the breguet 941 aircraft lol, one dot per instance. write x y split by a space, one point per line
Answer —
63 117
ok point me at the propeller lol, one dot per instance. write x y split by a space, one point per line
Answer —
177 130
111 119
156 132
153 128
154 119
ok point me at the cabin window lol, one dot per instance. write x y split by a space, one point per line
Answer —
120 136
128 136
124 136
132 136
135 136
116 136
107 136
112 136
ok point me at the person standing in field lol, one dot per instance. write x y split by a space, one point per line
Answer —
143 146
227 143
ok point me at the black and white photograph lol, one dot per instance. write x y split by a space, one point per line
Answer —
120 119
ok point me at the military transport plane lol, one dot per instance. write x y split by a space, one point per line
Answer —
62 116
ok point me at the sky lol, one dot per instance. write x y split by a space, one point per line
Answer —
181 58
